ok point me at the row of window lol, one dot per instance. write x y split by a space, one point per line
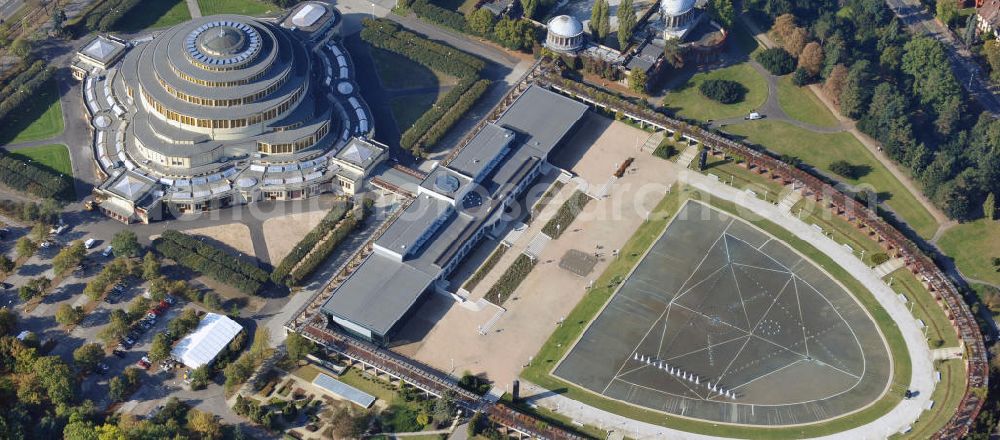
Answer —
225 67
224 102
256 118
202 82
298 145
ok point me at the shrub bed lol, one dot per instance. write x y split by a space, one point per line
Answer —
454 113
306 245
723 90
220 266
566 214
510 279
486 267
323 250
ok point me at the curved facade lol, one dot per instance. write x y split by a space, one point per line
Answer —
565 34
218 84
678 14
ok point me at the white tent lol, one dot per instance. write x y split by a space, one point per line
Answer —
211 337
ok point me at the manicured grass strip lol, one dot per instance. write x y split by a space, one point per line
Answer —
54 157
508 282
838 229
241 7
946 396
39 117
566 214
940 333
553 418
973 245
308 242
565 336
153 14
688 102
399 72
486 267
739 177
802 104
820 150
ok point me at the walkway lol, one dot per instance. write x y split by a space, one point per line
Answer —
847 124
194 8
903 414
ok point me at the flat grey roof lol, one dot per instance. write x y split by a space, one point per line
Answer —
412 223
378 293
543 116
481 150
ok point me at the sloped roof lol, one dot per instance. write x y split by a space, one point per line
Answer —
102 49
308 15
213 334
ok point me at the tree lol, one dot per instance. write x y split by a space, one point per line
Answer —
6 264
69 257
514 34
117 326
66 314
39 232
298 346
25 247
955 200
117 388
20 47
88 356
637 81
138 307
204 423
530 7
802 77
811 58
600 20
626 24
835 81
673 53
856 92
777 61
160 348
723 11
947 11
199 377
844 168
991 50
8 322
125 244
723 90
150 267
796 41
990 207
80 430
444 407
783 26
212 301
348 424
480 22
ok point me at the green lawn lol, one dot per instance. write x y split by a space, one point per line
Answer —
564 336
407 109
55 157
973 246
397 72
687 101
802 104
242 7
38 118
925 308
731 173
820 150
946 396
153 14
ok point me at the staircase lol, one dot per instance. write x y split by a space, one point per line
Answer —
652 142
788 201
688 156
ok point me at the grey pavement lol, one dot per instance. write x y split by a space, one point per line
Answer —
9 8
194 8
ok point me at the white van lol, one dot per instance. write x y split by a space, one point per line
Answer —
107 251
89 243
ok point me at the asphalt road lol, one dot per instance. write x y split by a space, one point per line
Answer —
9 8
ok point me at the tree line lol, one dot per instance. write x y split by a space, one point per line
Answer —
900 89
209 260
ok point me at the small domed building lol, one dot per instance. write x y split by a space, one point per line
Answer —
565 34
679 17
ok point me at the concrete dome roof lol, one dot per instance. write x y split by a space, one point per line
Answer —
224 41
676 7
565 26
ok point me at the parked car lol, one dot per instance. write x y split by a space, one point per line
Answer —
753 116
89 243
102 368
6 286
170 300
107 251
141 363
118 352
59 229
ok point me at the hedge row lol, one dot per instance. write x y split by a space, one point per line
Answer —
387 35
308 242
196 255
46 212
324 249
33 179
439 15
426 121
566 214
510 279
454 113
486 267
24 87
